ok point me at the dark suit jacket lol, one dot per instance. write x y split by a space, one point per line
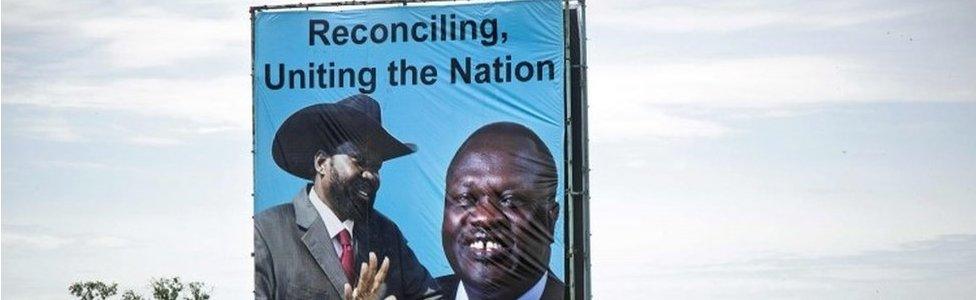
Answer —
554 287
294 257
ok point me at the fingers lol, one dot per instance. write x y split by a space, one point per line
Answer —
364 275
371 277
347 295
372 263
380 277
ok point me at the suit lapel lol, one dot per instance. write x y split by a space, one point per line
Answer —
449 286
318 241
555 289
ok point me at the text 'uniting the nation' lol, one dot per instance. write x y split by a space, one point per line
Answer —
440 28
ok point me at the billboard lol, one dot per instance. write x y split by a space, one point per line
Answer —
432 136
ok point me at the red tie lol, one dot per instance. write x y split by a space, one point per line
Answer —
346 257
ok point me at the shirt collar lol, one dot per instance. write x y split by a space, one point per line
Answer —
332 222
534 293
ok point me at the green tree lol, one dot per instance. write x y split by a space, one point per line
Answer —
166 288
198 291
162 289
91 290
131 295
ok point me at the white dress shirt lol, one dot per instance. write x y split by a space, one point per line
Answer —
332 222
535 293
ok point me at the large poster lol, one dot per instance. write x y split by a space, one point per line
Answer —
431 136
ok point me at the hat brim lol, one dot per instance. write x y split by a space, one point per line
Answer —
325 127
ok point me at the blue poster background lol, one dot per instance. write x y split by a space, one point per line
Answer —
435 117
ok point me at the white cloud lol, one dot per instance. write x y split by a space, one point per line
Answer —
945 262
60 164
631 106
19 238
149 37
769 81
16 241
774 53
154 141
619 120
214 129
106 242
725 16
46 128
206 101
144 59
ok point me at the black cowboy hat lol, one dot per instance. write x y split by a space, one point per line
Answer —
325 126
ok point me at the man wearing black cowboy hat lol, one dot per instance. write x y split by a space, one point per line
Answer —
318 246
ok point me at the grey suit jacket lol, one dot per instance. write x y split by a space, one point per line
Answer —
294 257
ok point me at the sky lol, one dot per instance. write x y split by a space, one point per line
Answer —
739 149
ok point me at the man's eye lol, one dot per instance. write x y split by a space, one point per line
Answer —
464 200
510 201
367 163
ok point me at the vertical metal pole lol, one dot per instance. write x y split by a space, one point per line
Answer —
584 162
253 142
578 257
569 225
253 94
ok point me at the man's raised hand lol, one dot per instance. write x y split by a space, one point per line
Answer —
371 281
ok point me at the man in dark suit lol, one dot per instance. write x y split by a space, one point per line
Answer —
499 215
318 246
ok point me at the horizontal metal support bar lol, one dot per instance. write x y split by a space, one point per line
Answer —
342 3
355 3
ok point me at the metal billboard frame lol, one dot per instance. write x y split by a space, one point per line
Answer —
576 160
577 228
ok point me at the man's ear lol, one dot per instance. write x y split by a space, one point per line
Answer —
552 214
322 162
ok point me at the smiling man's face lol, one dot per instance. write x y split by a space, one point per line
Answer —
499 214
350 178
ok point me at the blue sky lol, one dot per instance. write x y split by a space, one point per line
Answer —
740 150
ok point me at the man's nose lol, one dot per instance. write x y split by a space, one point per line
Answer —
368 175
486 213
